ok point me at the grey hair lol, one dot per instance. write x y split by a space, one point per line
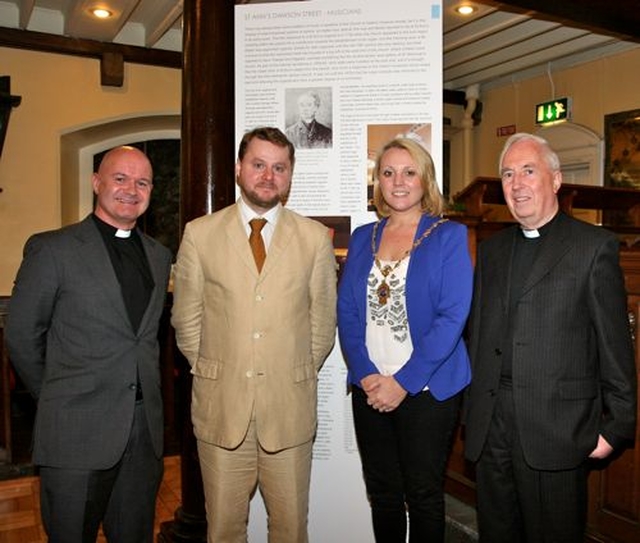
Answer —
548 154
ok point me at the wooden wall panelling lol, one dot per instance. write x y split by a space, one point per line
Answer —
614 486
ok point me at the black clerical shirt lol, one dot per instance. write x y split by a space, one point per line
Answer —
132 270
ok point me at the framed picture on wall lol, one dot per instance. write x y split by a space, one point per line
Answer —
622 159
622 149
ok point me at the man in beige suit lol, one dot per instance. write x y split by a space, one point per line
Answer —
255 340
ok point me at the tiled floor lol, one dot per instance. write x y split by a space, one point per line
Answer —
20 515
169 495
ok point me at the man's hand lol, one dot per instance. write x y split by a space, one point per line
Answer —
602 450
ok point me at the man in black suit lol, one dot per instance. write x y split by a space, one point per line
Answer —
554 380
82 334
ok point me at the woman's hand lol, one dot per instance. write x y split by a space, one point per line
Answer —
384 393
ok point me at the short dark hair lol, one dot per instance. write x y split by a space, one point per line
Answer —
270 134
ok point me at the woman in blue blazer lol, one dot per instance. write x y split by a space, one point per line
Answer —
403 302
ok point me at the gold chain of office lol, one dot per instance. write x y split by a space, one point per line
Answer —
384 290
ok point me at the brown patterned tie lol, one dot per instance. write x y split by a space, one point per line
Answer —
256 242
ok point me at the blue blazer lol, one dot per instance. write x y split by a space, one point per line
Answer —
438 295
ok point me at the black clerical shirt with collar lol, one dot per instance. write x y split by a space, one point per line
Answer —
131 267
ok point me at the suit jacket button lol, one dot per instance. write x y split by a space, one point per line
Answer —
133 386
498 351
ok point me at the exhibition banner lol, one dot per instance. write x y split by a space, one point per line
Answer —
359 72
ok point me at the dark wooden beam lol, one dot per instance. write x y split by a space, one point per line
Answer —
7 103
51 43
112 70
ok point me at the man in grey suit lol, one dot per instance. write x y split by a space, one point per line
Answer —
256 331
82 334
554 380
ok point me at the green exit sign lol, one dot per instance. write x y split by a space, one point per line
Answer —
553 111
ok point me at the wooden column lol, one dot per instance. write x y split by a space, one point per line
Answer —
207 174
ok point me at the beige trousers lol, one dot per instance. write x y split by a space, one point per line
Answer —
230 478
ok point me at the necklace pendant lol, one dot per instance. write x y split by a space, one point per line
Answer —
383 293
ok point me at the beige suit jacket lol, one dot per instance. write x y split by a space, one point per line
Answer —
255 342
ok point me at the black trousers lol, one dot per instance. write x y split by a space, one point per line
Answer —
520 504
404 454
75 502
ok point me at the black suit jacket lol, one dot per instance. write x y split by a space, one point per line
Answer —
573 360
71 342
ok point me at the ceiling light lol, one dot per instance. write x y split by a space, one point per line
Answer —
465 9
101 13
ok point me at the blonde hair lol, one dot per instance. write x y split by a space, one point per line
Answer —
432 201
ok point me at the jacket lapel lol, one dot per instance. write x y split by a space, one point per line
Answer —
279 242
157 267
94 253
503 273
552 250
238 238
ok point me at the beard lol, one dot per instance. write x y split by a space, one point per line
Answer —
262 202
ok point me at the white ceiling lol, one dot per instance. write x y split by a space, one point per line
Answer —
490 48
497 46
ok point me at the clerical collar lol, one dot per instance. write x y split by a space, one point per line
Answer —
534 233
530 233
109 231
124 234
